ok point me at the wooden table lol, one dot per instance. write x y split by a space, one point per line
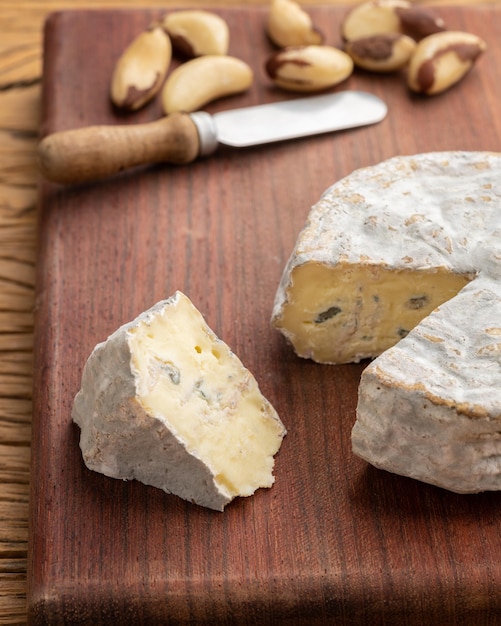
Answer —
20 95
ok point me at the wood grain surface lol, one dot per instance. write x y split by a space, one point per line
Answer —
334 541
21 25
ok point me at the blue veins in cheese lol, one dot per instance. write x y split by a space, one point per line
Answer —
166 402
401 262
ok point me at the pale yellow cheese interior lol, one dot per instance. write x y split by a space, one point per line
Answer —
192 382
349 312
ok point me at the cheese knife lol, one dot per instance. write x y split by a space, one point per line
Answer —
85 154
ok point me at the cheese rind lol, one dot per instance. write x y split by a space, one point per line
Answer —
430 407
383 247
166 402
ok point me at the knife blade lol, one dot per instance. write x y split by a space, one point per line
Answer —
95 152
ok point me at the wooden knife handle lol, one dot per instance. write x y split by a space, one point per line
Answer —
85 154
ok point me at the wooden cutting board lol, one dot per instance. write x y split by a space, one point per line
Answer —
335 540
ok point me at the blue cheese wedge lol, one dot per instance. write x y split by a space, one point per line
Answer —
166 402
401 262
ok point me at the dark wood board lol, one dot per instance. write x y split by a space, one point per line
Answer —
335 540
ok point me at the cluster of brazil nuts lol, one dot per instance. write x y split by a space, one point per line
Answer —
378 36
201 39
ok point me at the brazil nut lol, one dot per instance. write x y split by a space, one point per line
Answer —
204 79
141 69
290 25
386 52
390 16
195 33
309 68
442 60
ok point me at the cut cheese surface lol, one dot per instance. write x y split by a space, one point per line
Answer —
401 262
360 311
383 247
165 401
